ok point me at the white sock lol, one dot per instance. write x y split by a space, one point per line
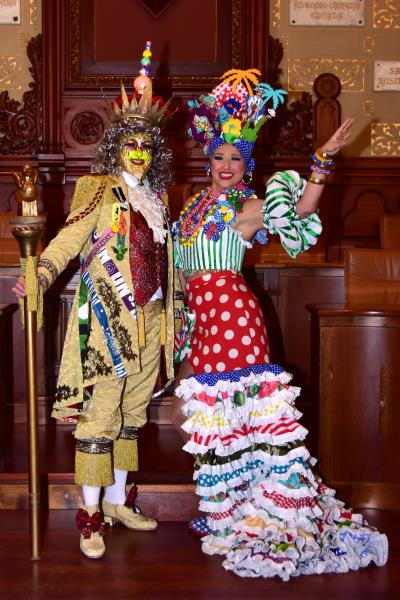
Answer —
116 493
91 495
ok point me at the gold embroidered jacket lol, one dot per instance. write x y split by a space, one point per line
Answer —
92 210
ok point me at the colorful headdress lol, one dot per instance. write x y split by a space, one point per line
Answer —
140 105
234 113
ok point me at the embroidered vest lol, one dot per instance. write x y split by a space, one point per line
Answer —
148 260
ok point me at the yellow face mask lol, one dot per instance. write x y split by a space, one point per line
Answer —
136 154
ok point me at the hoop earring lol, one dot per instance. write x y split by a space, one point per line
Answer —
249 178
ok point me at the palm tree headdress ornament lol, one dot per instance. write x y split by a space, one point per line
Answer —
234 112
236 76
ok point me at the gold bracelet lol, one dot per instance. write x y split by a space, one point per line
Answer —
319 153
311 179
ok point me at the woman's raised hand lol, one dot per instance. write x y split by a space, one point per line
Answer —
338 140
19 287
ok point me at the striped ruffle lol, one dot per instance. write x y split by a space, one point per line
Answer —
234 410
283 190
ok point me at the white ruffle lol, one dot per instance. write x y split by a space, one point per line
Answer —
268 460
255 559
226 427
191 387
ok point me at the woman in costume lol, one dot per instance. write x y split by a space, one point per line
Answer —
268 513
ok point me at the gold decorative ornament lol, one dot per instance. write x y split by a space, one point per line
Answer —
368 108
276 14
302 73
385 139
33 12
385 14
26 194
368 43
10 73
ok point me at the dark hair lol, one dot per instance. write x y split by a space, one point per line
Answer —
107 154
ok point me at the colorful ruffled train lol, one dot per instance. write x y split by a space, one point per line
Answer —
267 511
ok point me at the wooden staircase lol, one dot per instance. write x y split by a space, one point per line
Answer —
165 488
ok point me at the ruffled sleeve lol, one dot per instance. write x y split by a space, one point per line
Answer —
283 190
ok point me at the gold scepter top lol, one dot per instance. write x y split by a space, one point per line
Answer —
26 193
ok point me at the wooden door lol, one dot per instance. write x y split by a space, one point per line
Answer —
359 378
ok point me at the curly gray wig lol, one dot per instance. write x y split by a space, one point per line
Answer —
107 154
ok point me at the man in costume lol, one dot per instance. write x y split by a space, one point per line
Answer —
124 305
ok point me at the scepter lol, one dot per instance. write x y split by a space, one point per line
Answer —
27 227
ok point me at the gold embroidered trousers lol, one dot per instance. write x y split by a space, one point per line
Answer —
106 433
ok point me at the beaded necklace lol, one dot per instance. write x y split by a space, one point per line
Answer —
203 205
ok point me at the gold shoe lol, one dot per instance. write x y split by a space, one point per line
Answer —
88 520
113 513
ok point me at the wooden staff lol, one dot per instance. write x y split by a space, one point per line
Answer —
27 228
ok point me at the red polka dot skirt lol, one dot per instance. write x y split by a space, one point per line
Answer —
229 332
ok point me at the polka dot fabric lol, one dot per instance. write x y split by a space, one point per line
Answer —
230 332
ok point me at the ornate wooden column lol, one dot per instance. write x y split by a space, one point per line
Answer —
51 159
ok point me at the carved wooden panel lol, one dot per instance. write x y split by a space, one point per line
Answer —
156 7
192 44
21 124
290 133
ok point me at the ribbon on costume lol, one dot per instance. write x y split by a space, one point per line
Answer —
116 277
98 245
101 315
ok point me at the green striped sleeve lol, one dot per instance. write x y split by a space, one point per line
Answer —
283 191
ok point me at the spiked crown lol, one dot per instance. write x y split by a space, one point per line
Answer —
141 105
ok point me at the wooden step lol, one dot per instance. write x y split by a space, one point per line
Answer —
165 502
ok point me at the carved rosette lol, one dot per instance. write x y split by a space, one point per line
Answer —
87 128
21 123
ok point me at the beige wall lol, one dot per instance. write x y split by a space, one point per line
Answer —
14 63
349 53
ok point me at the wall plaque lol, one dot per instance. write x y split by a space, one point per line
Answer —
386 76
327 13
10 12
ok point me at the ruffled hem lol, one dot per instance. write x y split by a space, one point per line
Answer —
229 412
267 511
207 387
343 550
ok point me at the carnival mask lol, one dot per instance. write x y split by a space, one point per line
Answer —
136 154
